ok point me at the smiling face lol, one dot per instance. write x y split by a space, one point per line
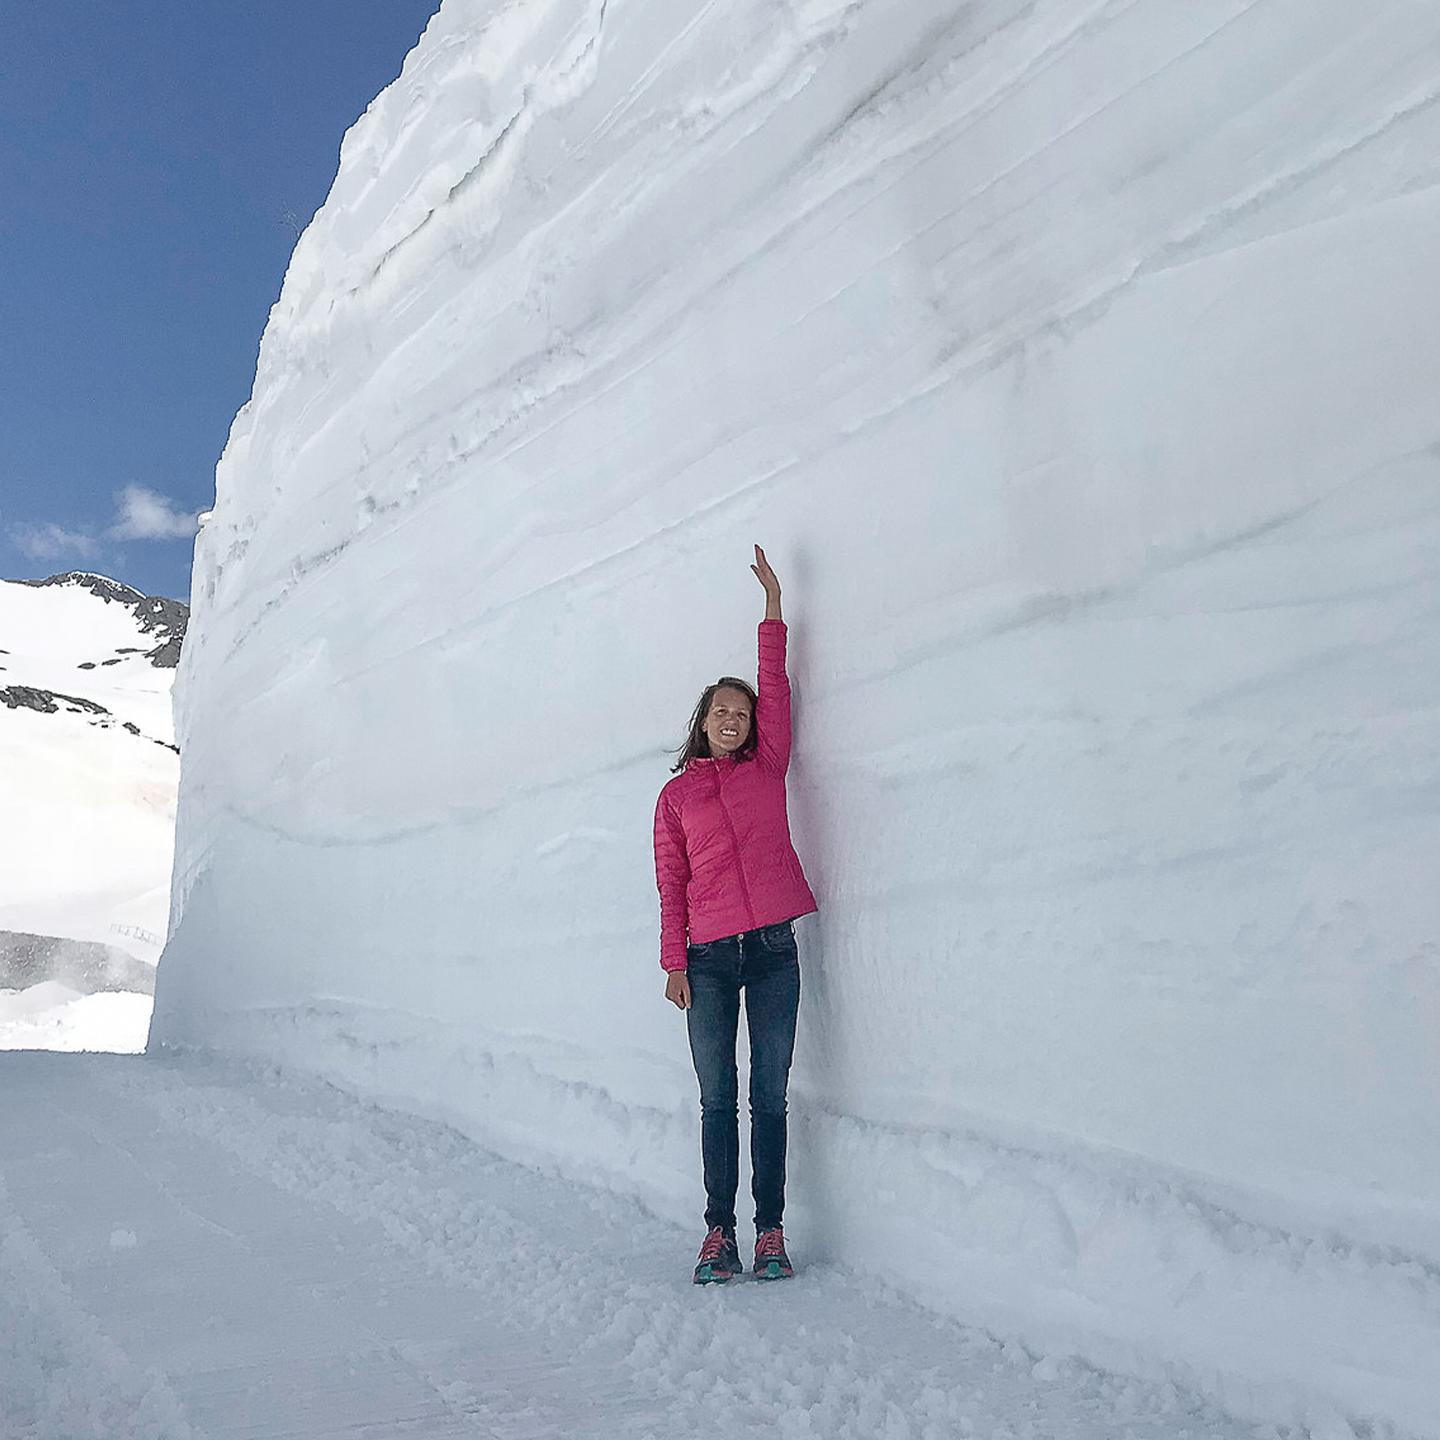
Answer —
727 722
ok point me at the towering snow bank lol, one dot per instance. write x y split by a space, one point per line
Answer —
1075 363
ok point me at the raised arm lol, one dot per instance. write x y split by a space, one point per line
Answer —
772 707
766 576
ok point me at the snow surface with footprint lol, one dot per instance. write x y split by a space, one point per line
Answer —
1075 363
197 1250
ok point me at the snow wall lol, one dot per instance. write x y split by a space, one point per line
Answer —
1076 366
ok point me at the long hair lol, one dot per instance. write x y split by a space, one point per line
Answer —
697 743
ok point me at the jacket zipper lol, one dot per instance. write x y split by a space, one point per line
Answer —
735 841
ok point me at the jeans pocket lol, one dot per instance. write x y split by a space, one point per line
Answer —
778 938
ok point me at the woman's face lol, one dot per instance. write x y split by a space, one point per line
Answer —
727 725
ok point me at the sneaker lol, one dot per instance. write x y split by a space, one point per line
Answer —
719 1258
771 1261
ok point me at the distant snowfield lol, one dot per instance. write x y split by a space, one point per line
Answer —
88 783
1076 366
49 1016
88 779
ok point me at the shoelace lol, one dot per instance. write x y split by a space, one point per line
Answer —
771 1242
714 1246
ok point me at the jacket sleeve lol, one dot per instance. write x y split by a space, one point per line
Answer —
772 705
672 875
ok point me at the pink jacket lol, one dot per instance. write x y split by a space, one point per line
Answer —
723 858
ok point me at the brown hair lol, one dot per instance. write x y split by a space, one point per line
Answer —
697 743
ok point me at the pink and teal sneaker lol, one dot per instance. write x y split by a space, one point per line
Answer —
771 1261
719 1258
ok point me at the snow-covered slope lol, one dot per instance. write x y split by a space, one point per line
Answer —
88 766
1076 366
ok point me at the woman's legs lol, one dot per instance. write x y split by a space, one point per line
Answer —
712 1021
771 976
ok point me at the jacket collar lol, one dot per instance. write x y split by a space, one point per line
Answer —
712 760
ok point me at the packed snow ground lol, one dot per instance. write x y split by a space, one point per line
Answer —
198 1250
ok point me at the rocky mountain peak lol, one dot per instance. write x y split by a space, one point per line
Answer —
157 615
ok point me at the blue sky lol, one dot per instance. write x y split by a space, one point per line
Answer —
154 159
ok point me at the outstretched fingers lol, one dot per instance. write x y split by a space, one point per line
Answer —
763 571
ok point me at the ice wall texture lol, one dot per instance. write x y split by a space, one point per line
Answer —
1076 365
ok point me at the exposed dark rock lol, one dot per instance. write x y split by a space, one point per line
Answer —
156 613
167 656
101 585
47 702
87 665
81 965
133 728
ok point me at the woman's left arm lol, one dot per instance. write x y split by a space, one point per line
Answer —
772 707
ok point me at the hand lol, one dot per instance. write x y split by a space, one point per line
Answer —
766 575
677 989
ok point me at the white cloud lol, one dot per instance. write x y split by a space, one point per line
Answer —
145 514
49 542
140 514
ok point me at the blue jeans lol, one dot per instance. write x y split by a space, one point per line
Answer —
766 965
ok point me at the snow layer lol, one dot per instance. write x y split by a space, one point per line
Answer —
1075 364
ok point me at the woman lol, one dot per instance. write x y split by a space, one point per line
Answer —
730 880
